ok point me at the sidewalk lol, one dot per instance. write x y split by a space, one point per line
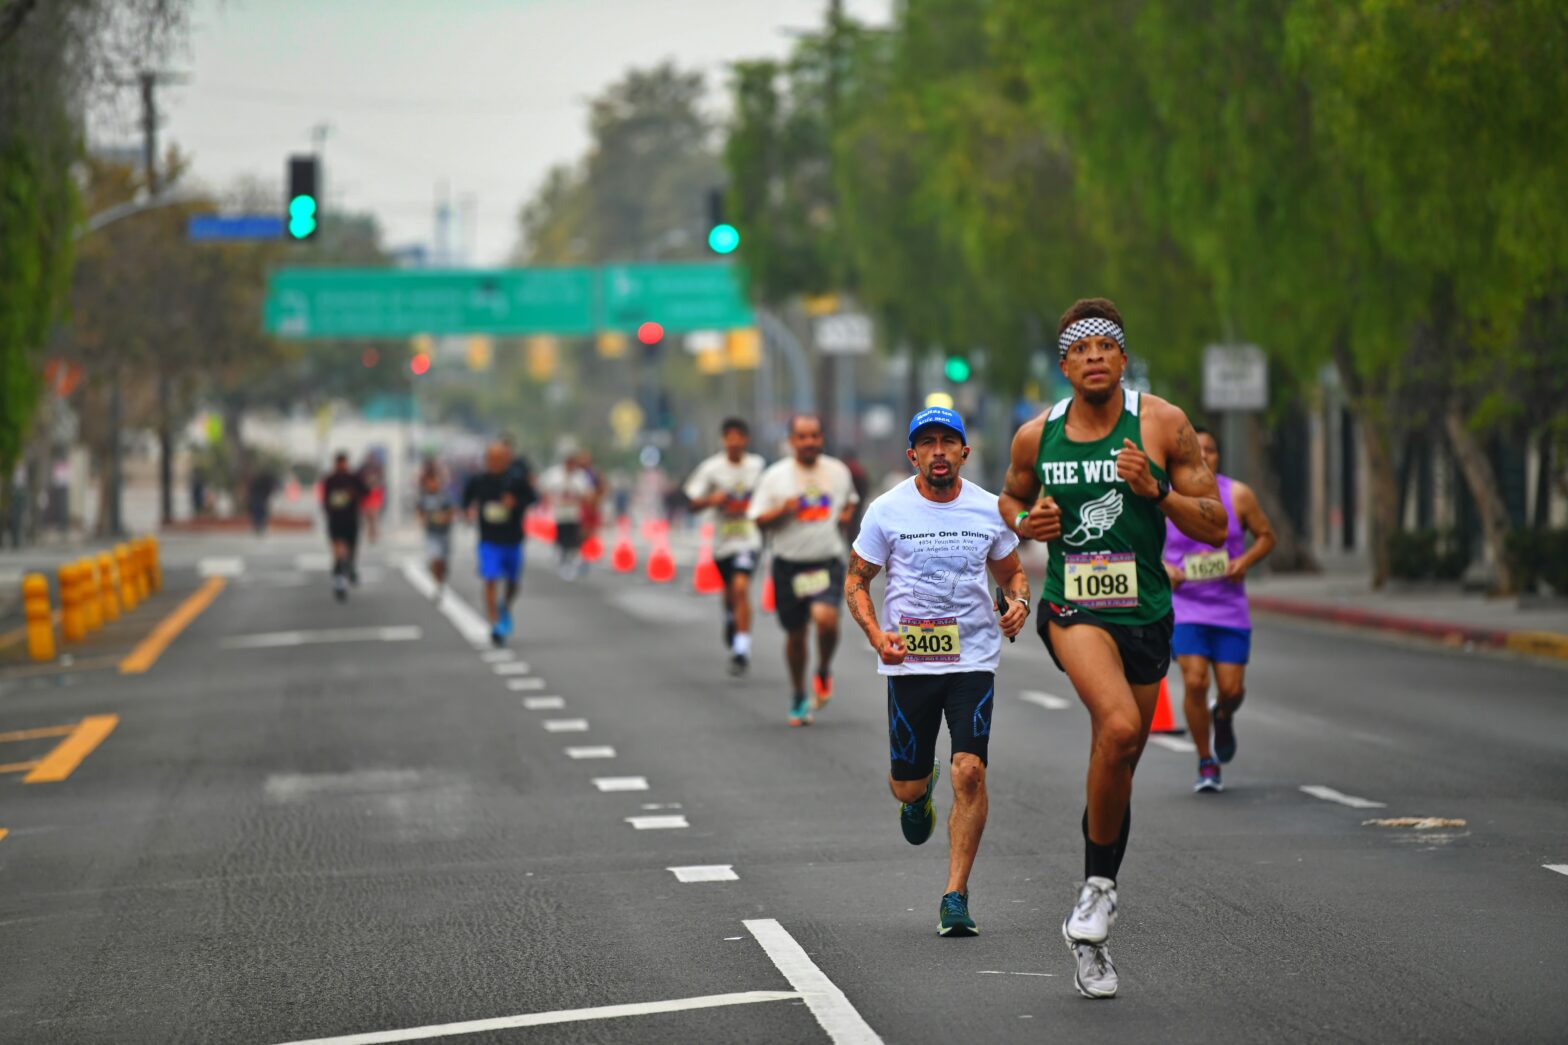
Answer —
1443 613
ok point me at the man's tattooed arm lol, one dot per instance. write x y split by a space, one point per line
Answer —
1194 501
857 593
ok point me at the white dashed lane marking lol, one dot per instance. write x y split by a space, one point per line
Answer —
543 703
496 656
511 667
1559 868
705 873
1049 701
566 725
280 639
665 822
621 783
600 751
1328 794
1173 743
518 685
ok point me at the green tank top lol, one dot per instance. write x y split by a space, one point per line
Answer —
1108 561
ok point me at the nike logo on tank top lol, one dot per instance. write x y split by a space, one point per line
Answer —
1109 558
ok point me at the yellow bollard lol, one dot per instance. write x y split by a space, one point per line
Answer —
40 618
143 581
72 627
108 587
122 567
157 564
92 603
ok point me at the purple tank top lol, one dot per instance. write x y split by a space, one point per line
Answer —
1209 601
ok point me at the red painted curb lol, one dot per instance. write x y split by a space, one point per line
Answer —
1442 630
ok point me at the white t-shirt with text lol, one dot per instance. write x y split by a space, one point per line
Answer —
734 532
938 593
566 492
819 494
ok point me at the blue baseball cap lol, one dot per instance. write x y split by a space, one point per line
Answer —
937 415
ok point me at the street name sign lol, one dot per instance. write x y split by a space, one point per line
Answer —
205 227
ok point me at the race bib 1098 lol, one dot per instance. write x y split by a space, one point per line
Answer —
1101 580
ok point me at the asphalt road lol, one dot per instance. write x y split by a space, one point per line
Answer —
317 820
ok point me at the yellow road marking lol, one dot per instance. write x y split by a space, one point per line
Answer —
68 754
17 767
34 734
3 832
146 654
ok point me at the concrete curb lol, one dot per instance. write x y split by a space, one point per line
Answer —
1450 633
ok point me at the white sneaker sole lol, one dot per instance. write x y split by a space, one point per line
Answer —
1072 947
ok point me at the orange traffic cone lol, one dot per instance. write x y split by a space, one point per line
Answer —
592 549
769 602
623 557
661 564
1164 721
706 579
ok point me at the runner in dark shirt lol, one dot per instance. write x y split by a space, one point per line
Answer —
496 498
342 494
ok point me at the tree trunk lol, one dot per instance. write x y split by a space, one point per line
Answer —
1482 482
165 451
1380 458
1290 555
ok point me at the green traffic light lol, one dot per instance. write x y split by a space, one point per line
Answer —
723 239
957 369
302 216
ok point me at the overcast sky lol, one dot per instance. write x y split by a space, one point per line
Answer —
481 95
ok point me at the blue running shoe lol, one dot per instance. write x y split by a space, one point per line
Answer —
918 819
1208 777
955 920
503 623
1224 733
800 713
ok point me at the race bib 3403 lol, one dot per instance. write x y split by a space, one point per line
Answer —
930 641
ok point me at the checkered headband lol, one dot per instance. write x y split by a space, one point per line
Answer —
1079 329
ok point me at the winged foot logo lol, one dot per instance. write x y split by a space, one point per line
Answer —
1096 517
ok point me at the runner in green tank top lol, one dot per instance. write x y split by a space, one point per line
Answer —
1096 476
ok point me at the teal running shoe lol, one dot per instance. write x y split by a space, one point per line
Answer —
955 920
800 711
918 820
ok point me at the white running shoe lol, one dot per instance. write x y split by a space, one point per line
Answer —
1095 976
1094 913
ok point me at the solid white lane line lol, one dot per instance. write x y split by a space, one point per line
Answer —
276 639
827 1003
566 725
1328 794
543 703
658 823
599 751
518 685
496 656
1173 743
707 873
1003 972
540 1019
621 783
469 622
1049 701
220 566
1559 868
512 667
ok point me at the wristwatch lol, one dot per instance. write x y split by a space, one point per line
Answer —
1165 490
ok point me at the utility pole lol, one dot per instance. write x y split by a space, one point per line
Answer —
149 85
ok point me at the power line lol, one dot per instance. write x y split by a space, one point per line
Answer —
469 106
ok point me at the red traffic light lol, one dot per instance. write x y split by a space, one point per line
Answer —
650 333
419 364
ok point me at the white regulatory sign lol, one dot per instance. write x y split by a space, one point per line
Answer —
1235 377
848 333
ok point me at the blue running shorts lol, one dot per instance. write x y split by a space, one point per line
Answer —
500 562
1212 642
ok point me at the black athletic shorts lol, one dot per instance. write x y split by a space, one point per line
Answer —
1145 648
915 706
568 536
740 562
796 585
347 532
